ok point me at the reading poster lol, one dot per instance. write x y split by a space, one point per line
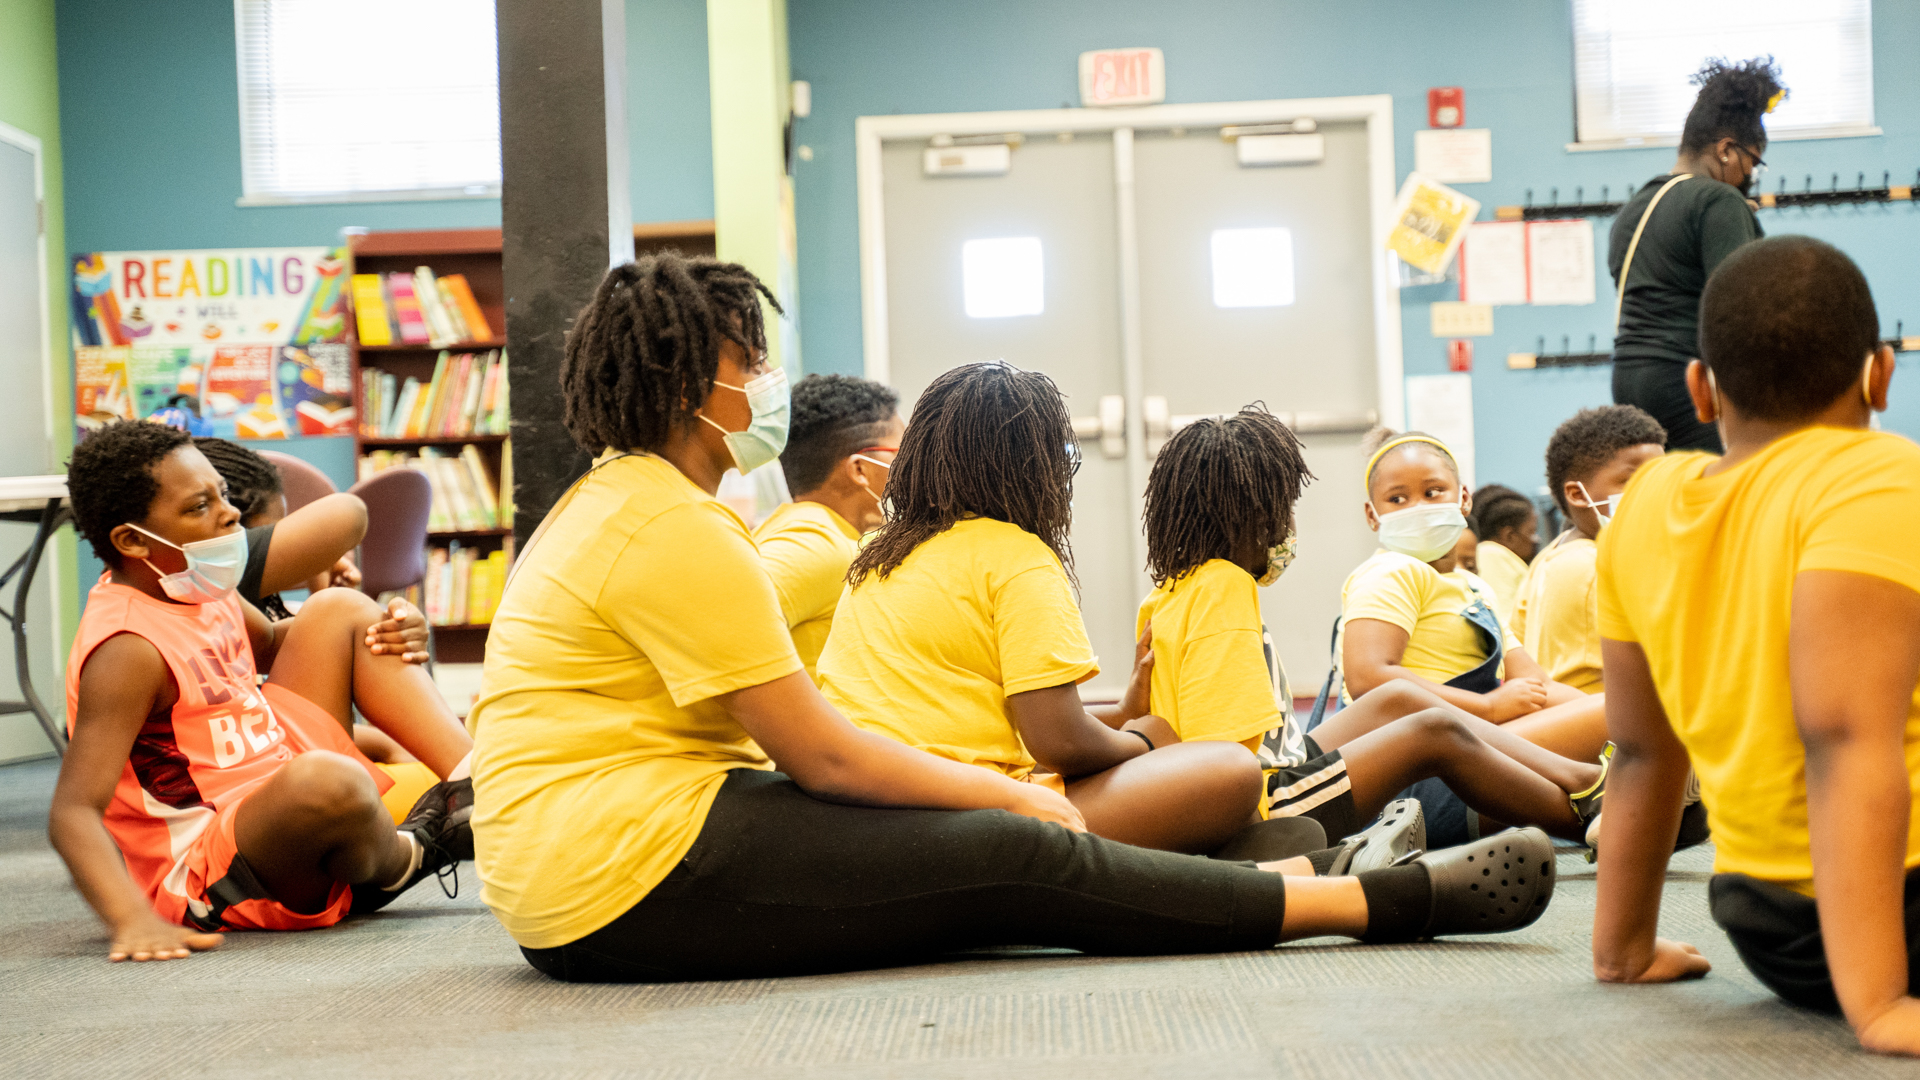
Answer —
240 344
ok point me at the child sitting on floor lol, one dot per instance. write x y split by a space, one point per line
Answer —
844 433
1589 461
1219 524
1760 620
1505 525
193 798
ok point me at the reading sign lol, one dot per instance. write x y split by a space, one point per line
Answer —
1123 77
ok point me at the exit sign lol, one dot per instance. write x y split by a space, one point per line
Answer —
1123 77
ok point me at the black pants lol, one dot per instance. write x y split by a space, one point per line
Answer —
780 883
1660 387
1776 931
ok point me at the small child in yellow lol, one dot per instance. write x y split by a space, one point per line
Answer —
1760 620
1219 525
1504 525
840 447
1589 461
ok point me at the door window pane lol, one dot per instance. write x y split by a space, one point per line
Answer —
1252 268
1002 277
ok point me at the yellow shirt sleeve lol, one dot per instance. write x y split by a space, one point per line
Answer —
1225 693
1037 626
1392 592
1867 522
808 569
720 628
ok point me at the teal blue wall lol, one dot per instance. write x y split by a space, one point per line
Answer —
1513 57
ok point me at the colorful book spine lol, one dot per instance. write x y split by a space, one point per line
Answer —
450 305
440 331
470 312
407 314
370 310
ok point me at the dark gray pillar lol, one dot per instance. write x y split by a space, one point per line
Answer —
565 213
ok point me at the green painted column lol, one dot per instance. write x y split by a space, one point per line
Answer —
752 193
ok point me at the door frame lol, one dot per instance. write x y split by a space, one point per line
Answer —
1375 110
51 570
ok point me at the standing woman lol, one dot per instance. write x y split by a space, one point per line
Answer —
1674 231
628 823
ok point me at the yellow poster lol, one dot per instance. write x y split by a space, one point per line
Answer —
1429 221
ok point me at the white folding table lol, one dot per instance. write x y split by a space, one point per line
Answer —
42 501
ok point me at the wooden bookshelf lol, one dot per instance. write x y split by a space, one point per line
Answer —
474 253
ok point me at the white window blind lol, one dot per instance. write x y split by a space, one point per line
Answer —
349 100
1632 60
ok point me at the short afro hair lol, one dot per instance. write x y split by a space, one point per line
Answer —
252 480
1786 326
1586 442
1732 99
833 416
111 481
1497 507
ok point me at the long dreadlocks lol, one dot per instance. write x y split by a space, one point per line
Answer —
252 481
987 440
642 355
1221 488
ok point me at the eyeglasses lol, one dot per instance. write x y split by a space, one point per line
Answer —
877 449
1759 163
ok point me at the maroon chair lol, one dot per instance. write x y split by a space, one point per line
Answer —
303 482
393 555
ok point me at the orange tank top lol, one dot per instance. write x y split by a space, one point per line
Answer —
222 739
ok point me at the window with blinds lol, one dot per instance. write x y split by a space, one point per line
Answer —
1632 60
352 100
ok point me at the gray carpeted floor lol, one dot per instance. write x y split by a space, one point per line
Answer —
433 987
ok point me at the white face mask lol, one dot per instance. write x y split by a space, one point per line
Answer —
1604 511
872 461
1423 532
213 567
766 434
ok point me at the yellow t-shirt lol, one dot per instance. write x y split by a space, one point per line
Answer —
1503 571
1557 618
598 746
1699 570
929 654
807 548
1210 679
1428 605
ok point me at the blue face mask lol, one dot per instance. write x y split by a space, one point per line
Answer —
766 433
214 567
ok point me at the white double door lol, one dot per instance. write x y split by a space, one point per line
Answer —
1172 282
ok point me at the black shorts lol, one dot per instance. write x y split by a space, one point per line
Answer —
1317 788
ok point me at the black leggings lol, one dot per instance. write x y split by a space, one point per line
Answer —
780 883
1660 387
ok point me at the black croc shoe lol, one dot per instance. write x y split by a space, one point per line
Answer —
1495 884
441 823
1397 834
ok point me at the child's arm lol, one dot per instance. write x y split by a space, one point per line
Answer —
1853 658
1138 700
1644 788
1370 655
123 683
1520 664
264 635
1065 738
312 540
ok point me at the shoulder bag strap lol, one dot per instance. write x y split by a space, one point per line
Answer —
1626 264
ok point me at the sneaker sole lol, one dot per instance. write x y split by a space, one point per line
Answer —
1492 886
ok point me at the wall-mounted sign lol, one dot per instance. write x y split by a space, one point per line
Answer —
1429 223
240 344
1123 77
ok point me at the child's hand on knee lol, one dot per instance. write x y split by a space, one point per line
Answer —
147 937
1516 698
403 633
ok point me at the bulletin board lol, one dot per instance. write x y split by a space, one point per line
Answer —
246 344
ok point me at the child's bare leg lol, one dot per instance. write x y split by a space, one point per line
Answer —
1188 797
1399 698
325 659
1576 729
318 822
1436 742
1318 906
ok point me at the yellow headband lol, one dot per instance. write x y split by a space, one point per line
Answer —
1774 101
1366 478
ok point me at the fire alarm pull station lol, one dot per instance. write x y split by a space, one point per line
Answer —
1460 355
1446 107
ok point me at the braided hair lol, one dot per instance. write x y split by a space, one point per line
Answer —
1733 98
1496 508
1221 487
987 440
252 481
642 355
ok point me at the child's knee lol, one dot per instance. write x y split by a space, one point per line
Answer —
1233 774
1404 696
325 787
347 605
1441 726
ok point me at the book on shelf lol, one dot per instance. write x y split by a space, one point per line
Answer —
370 310
408 318
465 495
466 395
463 586
417 309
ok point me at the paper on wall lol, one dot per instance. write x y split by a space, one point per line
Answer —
1454 155
1429 221
1493 263
1560 261
1442 406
